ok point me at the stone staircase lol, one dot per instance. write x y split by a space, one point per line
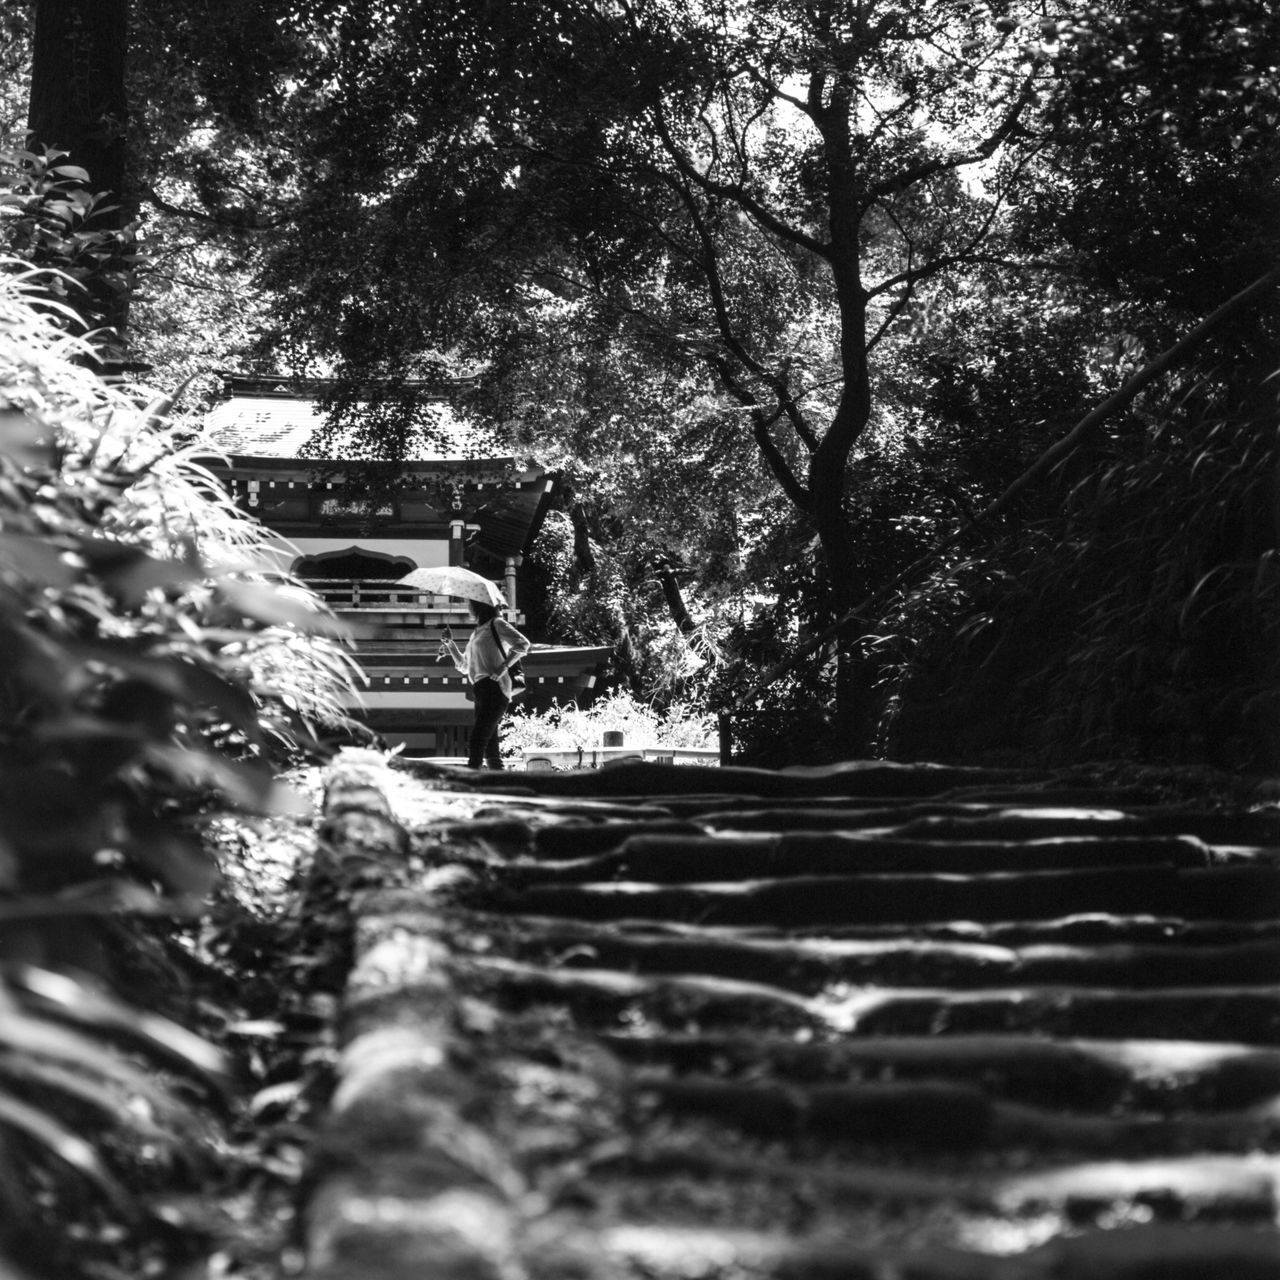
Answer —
673 1023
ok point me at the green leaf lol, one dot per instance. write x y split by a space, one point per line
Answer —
26 1037
90 1008
184 681
36 560
47 809
131 583
248 787
106 1099
175 859
271 606
26 442
105 897
158 410
67 1147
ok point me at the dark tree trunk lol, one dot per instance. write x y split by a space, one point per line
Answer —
675 602
79 105
78 101
584 558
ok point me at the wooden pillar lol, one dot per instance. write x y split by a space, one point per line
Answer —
510 580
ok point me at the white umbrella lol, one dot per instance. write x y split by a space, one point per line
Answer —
453 580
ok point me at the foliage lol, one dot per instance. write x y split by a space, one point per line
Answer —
618 601
143 683
51 220
572 728
1141 624
735 204
213 160
782 292
1165 178
1128 609
208 165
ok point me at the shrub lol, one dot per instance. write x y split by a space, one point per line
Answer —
1142 623
569 727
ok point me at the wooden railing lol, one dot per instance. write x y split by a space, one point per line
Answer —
376 593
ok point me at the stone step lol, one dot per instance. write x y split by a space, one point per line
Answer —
1234 893
934 820
1176 1189
1085 929
811 965
938 1115
1080 1074
606 999
913 1021
656 782
680 859
642 1250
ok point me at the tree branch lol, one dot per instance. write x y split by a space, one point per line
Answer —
895 310
240 223
735 193
760 427
801 104
777 383
913 277
941 164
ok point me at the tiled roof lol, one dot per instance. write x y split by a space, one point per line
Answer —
509 522
285 427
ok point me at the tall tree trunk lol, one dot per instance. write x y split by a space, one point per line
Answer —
584 558
829 468
79 105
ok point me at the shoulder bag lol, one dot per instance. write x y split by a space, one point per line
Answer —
515 672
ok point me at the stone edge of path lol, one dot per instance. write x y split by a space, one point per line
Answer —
402 1184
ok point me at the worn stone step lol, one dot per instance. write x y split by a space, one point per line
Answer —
935 820
1114 805
1209 1188
677 859
1085 929
946 1116
1249 1014
1200 1186
563 836
658 781
580 840
572 837
1236 893
1081 1074
810 965
606 999
644 1250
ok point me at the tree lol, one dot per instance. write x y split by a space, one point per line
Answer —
751 194
163 123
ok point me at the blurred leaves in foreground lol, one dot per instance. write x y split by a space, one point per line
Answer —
155 670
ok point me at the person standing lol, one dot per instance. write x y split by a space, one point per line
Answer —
494 645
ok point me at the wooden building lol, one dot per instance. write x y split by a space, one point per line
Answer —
350 524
